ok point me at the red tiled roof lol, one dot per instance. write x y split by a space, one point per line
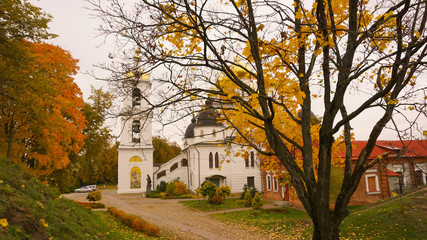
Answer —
413 148
392 174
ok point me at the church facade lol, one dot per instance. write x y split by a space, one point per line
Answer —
135 166
209 155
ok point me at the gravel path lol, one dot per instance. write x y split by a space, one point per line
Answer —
173 218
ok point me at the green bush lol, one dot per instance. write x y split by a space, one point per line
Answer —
256 202
208 189
170 187
248 198
223 191
253 190
94 196
161 187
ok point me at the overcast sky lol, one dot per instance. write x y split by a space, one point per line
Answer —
77 34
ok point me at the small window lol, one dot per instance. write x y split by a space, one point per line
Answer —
136 97
161 174
268 179
252 159
202 133
247 162
210 160
213 133
251 181
184 163
419 177
275 184
174 166
372 185
216 160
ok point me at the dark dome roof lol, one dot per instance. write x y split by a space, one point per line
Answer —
207 117
189 132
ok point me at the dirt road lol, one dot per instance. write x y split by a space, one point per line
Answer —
173 218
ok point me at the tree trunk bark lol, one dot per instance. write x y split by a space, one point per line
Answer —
10 138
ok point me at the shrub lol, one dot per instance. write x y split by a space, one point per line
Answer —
253 190
94 196
248 198
179 188
91 205
208 189
161 187
223 191
216 199
134 222
169 188
256 202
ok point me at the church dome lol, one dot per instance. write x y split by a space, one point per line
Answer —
207 117
189 132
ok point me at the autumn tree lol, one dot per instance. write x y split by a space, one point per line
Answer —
164 150
41 113
268 64
98 159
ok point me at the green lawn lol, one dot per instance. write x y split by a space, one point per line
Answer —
400 218
228 203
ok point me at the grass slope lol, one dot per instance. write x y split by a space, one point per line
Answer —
31 210
403 217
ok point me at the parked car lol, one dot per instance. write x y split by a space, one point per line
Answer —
89 188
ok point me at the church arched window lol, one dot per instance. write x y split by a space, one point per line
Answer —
136 129
252 159
216 160
136 97
210 160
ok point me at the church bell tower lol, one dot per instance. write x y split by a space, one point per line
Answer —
135 166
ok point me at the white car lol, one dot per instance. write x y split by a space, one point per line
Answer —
88 188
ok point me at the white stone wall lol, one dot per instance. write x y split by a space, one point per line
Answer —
234 171
124 168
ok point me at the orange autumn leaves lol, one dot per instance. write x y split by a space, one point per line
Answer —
42 110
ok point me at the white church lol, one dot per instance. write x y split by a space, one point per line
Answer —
208 154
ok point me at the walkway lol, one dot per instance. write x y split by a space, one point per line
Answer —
172 218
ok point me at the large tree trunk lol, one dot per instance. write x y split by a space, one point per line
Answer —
9 131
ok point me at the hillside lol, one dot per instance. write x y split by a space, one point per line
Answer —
32 210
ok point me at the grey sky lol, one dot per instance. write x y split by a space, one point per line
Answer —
77 34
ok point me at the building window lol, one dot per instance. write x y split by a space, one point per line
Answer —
173 167
216 160
419 177
252 159
268 180
275 184
251 181
372 185
161 174
202 133
247 162
136 129
184 163
213 133
136 97
210 160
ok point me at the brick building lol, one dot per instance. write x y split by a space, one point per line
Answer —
402 170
